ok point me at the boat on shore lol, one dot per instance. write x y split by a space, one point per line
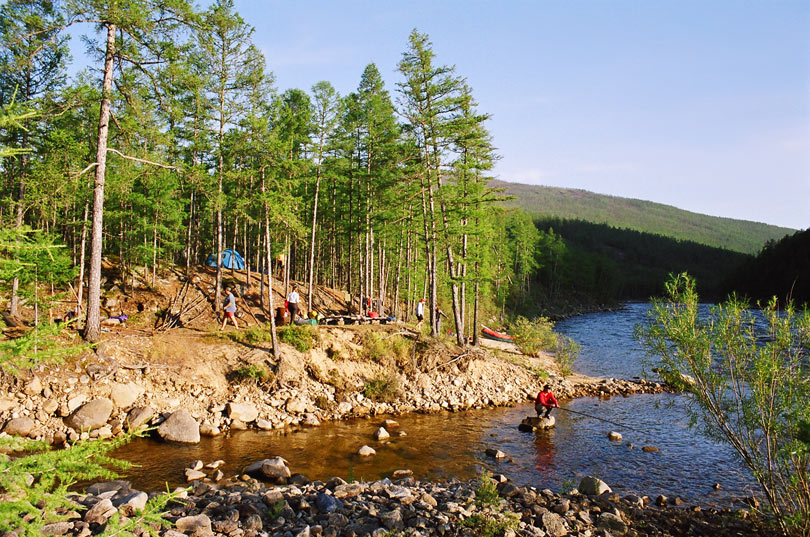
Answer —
497 336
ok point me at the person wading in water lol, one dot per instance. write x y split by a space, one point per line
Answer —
545 402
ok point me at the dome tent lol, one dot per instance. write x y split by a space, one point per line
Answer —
230 259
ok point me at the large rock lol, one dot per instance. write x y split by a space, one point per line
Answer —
199 524
138 417
274 469
381 434
91 415
612 523
244 412
591 486
19 426
554 524
180 427
34 386
123 395
100 513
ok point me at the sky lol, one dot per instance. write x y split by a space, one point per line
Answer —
701 105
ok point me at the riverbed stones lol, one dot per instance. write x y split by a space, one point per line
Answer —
613 436
75 402
124 395
649 449
244 412
180 426
91 415
21 426
381 434
592 486
33 387
138 417
209 429
612 523
495 453
554 524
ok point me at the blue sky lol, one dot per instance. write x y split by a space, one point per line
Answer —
704 105
701 105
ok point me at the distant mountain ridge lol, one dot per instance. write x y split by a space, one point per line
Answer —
645 216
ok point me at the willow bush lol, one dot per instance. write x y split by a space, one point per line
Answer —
749 383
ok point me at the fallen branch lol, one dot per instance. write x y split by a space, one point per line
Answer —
459 357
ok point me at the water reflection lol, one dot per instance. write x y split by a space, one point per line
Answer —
448 445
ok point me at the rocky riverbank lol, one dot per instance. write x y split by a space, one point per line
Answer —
184 383
296 507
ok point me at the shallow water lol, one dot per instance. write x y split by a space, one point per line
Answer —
447 445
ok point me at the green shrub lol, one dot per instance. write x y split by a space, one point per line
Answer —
491 524
302 337
533 337
487 491
566 350
252 373
387 350
385 389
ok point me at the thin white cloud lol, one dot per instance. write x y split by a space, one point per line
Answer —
618 167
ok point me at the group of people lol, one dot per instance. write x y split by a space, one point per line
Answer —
420 315
229 306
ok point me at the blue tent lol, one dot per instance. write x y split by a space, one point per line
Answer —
230 259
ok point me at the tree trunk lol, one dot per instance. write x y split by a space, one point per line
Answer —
93 324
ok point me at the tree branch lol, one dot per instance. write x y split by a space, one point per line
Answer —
144 161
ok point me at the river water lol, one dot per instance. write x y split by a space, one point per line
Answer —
447 445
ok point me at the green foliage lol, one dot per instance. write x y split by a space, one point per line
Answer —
274 511
255 373
568 485
386 389
382 349
302 337
533 337
750 384
566 352
35 486
491 525
643 216
250 336
45 343
487 491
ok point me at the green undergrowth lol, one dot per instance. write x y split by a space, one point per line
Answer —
492 521
255 373
302 337
387 350
384 388
534 337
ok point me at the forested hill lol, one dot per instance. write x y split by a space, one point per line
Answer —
645 216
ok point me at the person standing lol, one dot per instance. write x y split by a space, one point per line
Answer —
292 303
439 315
230 309
420 312
545 401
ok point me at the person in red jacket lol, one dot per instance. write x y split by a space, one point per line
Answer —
545 402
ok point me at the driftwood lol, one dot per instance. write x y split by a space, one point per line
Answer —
182 310
459 357
247 307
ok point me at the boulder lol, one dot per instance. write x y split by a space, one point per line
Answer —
613 436
495 453
274 469
199 524
75 402
264 425
381 434
138 417
612 523
244 412
533 423
180 427
296 406
591 486
100 512
19 426
554 524
366 451
123 395
34 386
91 415
209 429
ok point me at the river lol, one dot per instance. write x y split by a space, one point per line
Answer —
447 445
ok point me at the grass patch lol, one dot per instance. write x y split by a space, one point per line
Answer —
491 525
384 389
255 373
250 336
302 337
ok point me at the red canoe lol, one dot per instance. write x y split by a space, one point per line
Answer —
497 336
